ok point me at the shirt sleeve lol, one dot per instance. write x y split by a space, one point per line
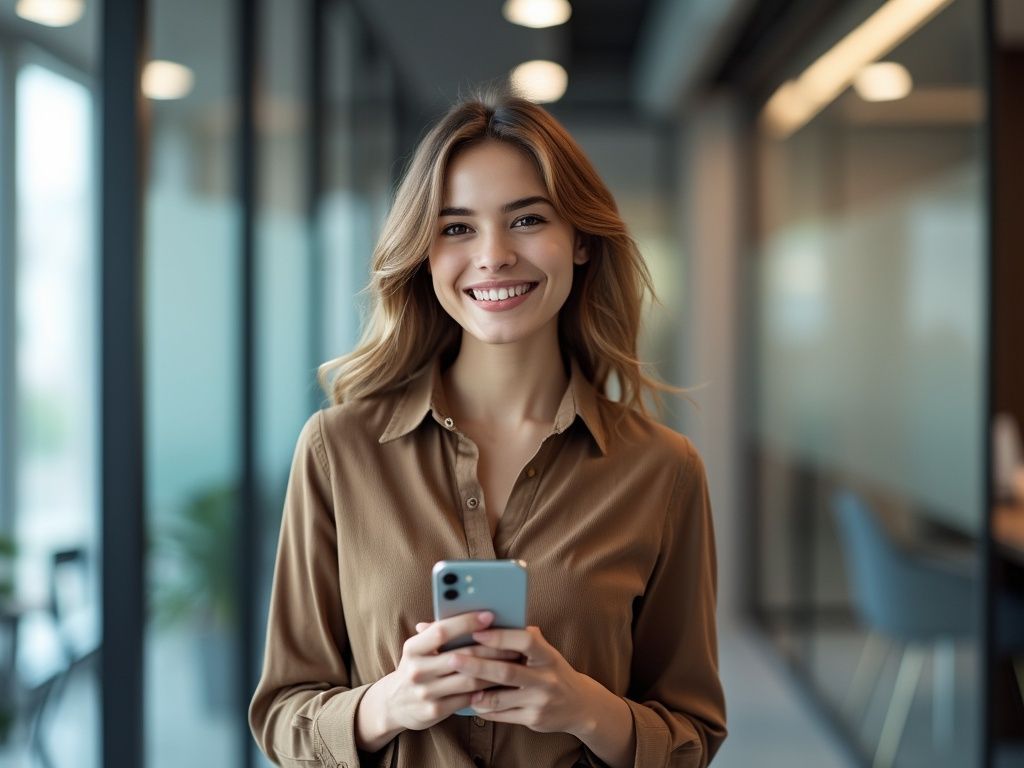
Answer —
303 710
675 694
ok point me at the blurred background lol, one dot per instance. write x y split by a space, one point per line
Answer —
828 194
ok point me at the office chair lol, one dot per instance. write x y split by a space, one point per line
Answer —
924 603
73 616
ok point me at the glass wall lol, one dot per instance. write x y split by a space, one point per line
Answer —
192 342
360 162
869 339
49 504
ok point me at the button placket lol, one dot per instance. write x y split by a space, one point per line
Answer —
474 517
481 739
522 499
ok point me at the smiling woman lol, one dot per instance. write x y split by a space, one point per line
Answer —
506 295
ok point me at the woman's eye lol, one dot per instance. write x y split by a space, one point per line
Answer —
451 229
528 221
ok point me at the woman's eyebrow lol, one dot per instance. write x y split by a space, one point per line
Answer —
507 208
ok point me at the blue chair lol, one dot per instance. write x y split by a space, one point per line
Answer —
924 603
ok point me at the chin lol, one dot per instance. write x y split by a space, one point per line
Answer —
504 336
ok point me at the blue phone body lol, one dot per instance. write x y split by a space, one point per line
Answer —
499 586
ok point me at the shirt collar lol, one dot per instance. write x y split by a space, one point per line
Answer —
425 394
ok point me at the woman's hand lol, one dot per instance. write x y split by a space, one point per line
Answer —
546 694
425 689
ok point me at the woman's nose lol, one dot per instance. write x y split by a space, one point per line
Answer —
495 252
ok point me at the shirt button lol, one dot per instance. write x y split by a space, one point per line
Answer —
479 721
449 422
530 471
471 502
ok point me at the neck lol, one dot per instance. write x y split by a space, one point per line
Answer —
516 384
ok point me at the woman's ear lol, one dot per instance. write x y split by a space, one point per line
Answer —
580 254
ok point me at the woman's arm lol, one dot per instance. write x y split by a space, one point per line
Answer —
607 729
304 708
675 695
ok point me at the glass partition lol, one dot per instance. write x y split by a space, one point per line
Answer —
870 349
192 301
49 312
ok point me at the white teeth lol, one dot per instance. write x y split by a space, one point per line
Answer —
498 294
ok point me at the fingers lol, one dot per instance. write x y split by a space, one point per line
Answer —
494 671
483 652
497 699
431 638
456 684
529 642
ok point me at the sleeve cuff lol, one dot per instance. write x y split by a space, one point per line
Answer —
334 732
654 740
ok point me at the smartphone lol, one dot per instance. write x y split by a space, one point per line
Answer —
498 586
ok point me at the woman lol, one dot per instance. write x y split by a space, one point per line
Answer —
472 422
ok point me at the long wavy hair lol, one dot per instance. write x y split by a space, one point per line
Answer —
407 327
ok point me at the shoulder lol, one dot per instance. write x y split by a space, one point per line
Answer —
358 420
641 437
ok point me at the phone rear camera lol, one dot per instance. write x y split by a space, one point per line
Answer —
451 594
449 578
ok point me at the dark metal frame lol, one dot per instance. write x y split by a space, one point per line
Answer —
315 179
122 139
8 274
988 582
247 516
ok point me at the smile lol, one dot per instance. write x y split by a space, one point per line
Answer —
501 294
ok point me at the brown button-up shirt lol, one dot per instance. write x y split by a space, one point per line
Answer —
614 525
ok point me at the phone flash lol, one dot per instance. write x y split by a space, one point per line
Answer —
469 579
470 590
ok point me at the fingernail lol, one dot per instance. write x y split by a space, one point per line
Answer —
485 617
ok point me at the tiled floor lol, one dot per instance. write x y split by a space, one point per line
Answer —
770 724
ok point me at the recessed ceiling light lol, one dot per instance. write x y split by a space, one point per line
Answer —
537 13
166 80
883 81
540 81
51 13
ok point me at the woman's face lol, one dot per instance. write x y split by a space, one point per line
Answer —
501 259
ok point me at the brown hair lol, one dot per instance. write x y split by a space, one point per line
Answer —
600 321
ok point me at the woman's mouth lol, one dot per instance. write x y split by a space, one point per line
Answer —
500 294
500 299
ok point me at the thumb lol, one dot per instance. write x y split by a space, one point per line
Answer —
420 626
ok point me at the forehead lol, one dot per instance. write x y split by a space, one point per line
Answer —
491 171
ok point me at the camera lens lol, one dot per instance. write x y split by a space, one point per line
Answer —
449 578
451 594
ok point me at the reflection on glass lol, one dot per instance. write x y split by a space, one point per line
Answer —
56 531
869 337
192 379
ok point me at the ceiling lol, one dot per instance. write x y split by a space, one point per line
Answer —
441 48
